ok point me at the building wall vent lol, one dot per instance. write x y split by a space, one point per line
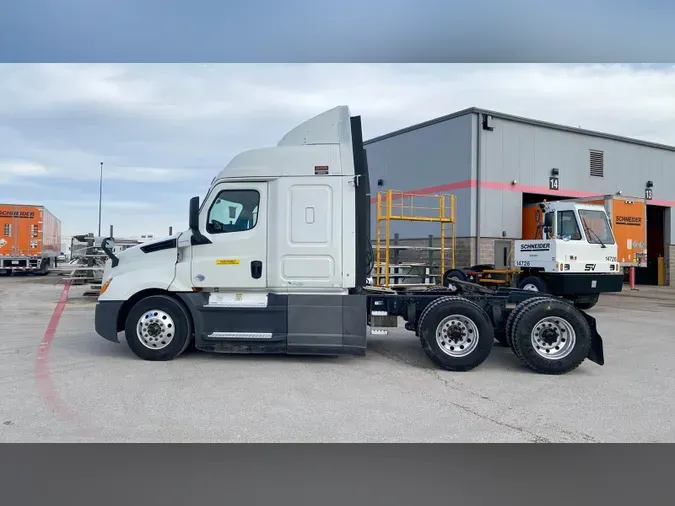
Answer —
597 160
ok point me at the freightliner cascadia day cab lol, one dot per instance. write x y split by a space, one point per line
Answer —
30 239
276 260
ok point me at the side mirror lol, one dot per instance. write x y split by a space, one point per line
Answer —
107 244
193 221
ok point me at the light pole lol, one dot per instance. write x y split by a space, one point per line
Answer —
100 196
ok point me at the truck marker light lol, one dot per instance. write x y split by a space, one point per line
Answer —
104 287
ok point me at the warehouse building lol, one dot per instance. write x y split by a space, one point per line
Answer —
495 163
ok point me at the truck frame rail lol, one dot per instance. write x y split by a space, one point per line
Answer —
457 325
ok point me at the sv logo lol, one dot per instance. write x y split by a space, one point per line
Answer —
589 267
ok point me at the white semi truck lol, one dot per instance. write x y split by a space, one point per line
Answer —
276 260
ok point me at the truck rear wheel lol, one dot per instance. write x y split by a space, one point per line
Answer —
158 328
508 326
551 336
456 334
44 267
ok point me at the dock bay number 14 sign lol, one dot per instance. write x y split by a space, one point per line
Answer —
553 183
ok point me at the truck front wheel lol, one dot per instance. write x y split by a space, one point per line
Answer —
158 328
534 284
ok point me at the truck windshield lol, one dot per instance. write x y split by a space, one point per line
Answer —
568 226
596 222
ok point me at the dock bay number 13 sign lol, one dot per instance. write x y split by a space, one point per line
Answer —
553 183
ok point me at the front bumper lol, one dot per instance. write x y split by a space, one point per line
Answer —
584 284
105 319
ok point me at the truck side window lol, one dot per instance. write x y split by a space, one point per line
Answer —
568 225
233 211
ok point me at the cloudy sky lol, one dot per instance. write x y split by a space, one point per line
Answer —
164 131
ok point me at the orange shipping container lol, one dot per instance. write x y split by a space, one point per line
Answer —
30 238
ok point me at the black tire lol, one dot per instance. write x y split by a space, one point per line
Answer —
458 274
177 340
561 313
475 321
586 305
44 267
535 282
508 326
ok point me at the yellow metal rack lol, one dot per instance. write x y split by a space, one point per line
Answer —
393 205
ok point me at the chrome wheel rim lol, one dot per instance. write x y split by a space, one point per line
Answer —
457 335
155 329
553 338
530 287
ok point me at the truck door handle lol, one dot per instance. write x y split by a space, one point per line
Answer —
256 269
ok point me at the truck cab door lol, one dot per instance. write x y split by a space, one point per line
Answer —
234 219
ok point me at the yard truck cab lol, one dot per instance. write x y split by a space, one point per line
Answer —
276 260
572 253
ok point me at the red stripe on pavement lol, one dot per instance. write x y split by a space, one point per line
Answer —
42 360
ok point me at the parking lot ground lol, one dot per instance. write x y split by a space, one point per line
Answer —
65 383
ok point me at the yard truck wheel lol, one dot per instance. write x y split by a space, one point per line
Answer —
534 284
587 304
456 334
158 328
551 336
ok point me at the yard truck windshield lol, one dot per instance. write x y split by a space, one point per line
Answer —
598 229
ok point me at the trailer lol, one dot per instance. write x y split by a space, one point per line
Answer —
276 260
30 239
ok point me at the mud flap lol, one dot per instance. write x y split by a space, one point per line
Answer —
596 352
